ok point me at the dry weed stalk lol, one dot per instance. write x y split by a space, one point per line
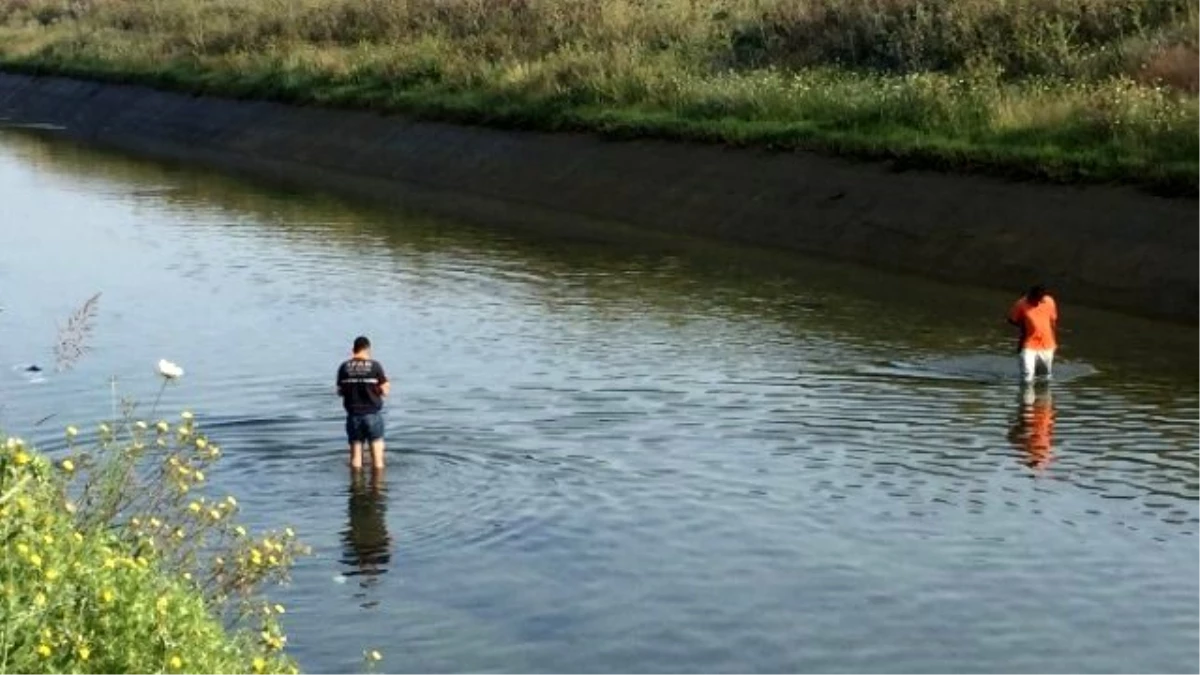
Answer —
72 338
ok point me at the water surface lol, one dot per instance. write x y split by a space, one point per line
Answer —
613 456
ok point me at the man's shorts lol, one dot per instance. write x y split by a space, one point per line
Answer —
364 427
1033 360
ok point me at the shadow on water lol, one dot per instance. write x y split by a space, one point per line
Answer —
366 543
802 295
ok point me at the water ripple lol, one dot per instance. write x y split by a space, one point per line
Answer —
603 460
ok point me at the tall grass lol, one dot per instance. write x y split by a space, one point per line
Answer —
1058 89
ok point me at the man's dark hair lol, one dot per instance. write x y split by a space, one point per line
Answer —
360 343
1035 294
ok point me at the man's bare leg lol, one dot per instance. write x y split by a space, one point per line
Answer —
377 454
356 455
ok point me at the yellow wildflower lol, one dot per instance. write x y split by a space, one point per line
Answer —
272 560
44 650
72 432
48 538
106 596
374 655
68 465
279 609
78 537
259 664
186 415
21 458
214 514
176 662
140 424
241 531
194 507
23 549
110 563
201 443
162 427
289 532
142 562
35 560
155 522
199 476
187 576
183 487
255 556
84 652
51 574
179 533
231 501
40 599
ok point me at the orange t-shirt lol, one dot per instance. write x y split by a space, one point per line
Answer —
1037 322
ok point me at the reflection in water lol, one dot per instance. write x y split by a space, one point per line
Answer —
367 544
1032 431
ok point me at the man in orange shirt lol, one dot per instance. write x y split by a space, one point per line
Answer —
1036 315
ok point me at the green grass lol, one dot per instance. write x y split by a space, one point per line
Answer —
1054 90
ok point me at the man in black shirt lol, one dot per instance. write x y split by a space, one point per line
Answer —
363 385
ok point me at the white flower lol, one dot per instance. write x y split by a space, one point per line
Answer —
169 370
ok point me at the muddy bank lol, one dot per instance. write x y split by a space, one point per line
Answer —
1111 247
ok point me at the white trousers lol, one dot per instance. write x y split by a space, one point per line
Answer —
1031 359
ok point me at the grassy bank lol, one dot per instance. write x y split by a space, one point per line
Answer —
108 567
1060 90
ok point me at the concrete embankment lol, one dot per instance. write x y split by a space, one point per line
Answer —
1104 246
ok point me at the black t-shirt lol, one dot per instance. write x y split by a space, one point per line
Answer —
360 383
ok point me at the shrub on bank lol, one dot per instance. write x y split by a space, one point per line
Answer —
1071 38
115 559
1092 90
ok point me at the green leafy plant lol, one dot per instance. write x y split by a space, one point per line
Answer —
118 558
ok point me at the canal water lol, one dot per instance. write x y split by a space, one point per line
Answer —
608 455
